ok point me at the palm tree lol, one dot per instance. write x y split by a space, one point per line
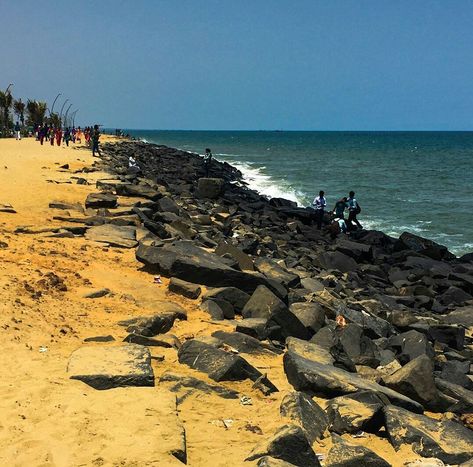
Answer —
19 109
6 100
36 112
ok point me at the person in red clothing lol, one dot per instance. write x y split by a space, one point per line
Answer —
58 136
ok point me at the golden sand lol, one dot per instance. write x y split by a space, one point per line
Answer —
49 420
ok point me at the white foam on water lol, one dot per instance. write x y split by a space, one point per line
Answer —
265 184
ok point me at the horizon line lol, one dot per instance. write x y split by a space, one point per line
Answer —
289 131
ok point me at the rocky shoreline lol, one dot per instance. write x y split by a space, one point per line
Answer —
381 328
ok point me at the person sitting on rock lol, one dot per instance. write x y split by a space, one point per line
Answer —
319 204
207 161
353 210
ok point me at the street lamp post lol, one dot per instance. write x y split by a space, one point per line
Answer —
73 116
65 116
60 113
52 107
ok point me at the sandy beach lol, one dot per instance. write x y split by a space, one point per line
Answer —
51 420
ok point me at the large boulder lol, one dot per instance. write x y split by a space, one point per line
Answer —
306 413
210 187
100 200
141 191
274 271
360 411
236 297
425 247
290 444
218 364
310 314
410 345
112 366
184 288
113 235
263 304
345 454
446 440
416 380
187 261
311 376
245 263
336 260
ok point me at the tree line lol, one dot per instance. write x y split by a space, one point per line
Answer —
30 114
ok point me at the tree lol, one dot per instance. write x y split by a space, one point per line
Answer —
36 112
19 109
6 100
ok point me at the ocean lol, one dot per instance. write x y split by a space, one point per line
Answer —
420 182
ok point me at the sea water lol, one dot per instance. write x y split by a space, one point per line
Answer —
420 182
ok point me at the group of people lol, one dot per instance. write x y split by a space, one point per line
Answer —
57 135
337 215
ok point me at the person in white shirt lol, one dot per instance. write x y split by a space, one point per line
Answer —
319 204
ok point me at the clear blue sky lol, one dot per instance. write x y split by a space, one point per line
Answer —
246 64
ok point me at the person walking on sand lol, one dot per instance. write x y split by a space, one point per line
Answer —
79 136
67 136
339 209
52 133
319 204
58 136
207 161
17 131
95 141
353 210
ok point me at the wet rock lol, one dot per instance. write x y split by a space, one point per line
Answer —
446 440
112 366
416 380
218 364
425 247
210 188
290 444
100 200
306 413
310 376
113 235
184 288
345 454
356 412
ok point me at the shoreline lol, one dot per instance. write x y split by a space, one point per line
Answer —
177 232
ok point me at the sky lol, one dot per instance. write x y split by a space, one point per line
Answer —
246 64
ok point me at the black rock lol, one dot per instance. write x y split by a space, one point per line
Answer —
101 200
310 314
336 260
218 364
290 444
445 440
263 304
184 288
236 297
425 247
453 336
306 413
345 454
356 412
409 345
313 377
254 327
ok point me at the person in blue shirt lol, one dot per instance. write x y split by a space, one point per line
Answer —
339 209
353 210
319 204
